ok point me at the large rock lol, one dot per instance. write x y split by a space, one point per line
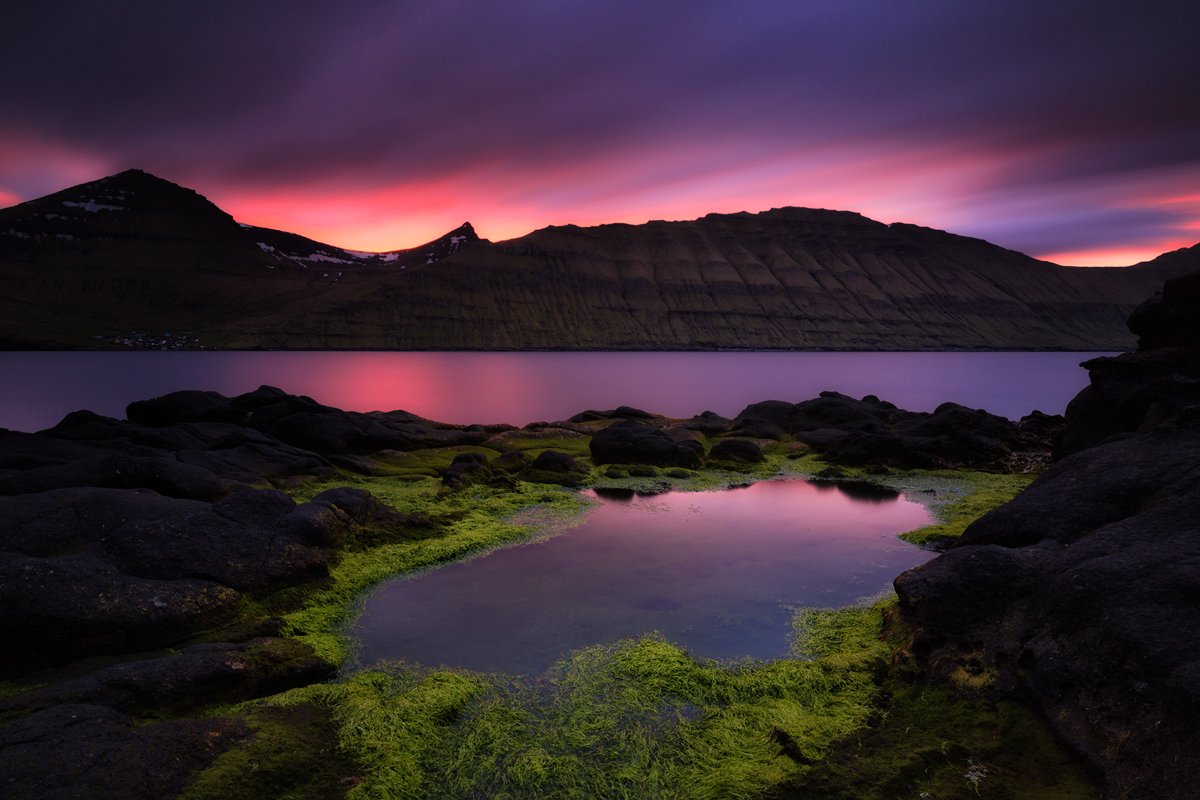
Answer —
110 571
89 751
163 475
1134 392
184 406
63 521
630 442
1082 593
54 610
245 542
204 674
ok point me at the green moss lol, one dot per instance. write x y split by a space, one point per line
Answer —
575 445
641 718
956 499
637 718
293 752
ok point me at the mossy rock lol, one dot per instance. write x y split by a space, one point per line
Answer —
558 478
293 752
616 471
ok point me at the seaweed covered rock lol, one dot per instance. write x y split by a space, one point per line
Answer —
738 450
552 466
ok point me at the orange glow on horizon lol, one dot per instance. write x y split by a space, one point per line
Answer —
1116 257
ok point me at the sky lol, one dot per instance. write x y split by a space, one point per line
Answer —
1067 130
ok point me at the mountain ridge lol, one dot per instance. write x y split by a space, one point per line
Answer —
133 251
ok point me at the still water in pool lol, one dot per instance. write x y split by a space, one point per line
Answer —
715 572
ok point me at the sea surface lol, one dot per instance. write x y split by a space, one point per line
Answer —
718 573
39 389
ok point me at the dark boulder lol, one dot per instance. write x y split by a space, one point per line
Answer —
840 412
87 426
620 412
1136 392
630 442
237 543
464 474
554 461
741 450
185 406
1081 595
89 751
774 413
1170 318
1129 393
163 475
62 521
55 609
708 423
200 675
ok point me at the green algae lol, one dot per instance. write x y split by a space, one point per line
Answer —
292 752
640 718
635 718
848 714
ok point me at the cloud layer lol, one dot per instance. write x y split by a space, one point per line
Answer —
1070 132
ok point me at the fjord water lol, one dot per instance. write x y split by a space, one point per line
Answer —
718 573
39 389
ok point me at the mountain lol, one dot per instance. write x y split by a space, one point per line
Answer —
134 256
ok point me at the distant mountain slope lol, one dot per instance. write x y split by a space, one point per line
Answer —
89 265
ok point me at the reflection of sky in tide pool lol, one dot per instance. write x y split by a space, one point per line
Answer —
39 389
715 572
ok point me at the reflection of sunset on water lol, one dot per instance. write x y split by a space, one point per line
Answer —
717 572
519 388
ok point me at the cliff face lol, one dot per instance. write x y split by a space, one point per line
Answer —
786 278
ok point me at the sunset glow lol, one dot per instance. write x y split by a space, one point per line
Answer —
387 127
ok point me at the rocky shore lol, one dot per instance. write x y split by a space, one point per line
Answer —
1082 593
147 564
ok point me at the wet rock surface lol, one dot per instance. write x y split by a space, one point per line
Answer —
1082 593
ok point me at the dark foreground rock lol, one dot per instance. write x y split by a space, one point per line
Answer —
113 571
75 751
200 675
1082 593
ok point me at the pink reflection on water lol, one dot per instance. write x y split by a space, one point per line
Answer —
39 389
717 572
